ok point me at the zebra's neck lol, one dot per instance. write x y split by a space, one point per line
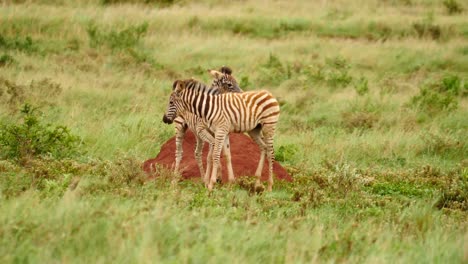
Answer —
198 87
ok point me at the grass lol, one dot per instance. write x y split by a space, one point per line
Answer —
373 125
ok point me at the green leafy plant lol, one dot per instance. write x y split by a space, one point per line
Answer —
34 138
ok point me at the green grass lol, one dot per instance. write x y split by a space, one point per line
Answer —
373 121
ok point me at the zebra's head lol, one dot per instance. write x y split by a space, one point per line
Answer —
224 81
171 110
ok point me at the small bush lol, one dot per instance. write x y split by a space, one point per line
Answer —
453 7
34 138
6 60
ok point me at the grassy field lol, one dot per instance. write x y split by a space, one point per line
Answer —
373 129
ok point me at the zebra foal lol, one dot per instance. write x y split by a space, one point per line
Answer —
255 112
224 83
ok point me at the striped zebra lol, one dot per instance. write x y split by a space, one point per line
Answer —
255 112
223 83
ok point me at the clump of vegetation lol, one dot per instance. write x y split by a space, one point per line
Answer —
443 144
41 93
337 75
361 87
258 28
455 195
125 170
6 60
146 2
32 138
453 7
439 96
286 153
17 43
273 72
361 115
427 29
116 39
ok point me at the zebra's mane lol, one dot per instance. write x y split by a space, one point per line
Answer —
200 87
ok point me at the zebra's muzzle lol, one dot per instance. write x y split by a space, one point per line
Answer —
167 120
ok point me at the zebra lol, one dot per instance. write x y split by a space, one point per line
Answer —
224 83
255 112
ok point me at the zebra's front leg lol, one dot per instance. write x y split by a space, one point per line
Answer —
204 134
198 155
227 156
219 141
180 134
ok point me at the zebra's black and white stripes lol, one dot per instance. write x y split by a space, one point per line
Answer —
255 112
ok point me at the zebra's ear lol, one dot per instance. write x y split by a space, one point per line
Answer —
174 85
226 70
215 73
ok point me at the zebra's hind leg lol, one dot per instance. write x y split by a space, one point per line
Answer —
269 133
198 155
257 137
209 161
227 156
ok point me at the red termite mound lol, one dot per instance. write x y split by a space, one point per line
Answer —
245 155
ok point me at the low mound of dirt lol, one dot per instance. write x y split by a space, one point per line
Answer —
245 155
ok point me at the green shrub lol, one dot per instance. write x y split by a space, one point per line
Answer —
453 7
34 138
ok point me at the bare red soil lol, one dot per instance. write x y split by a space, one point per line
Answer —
245 155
